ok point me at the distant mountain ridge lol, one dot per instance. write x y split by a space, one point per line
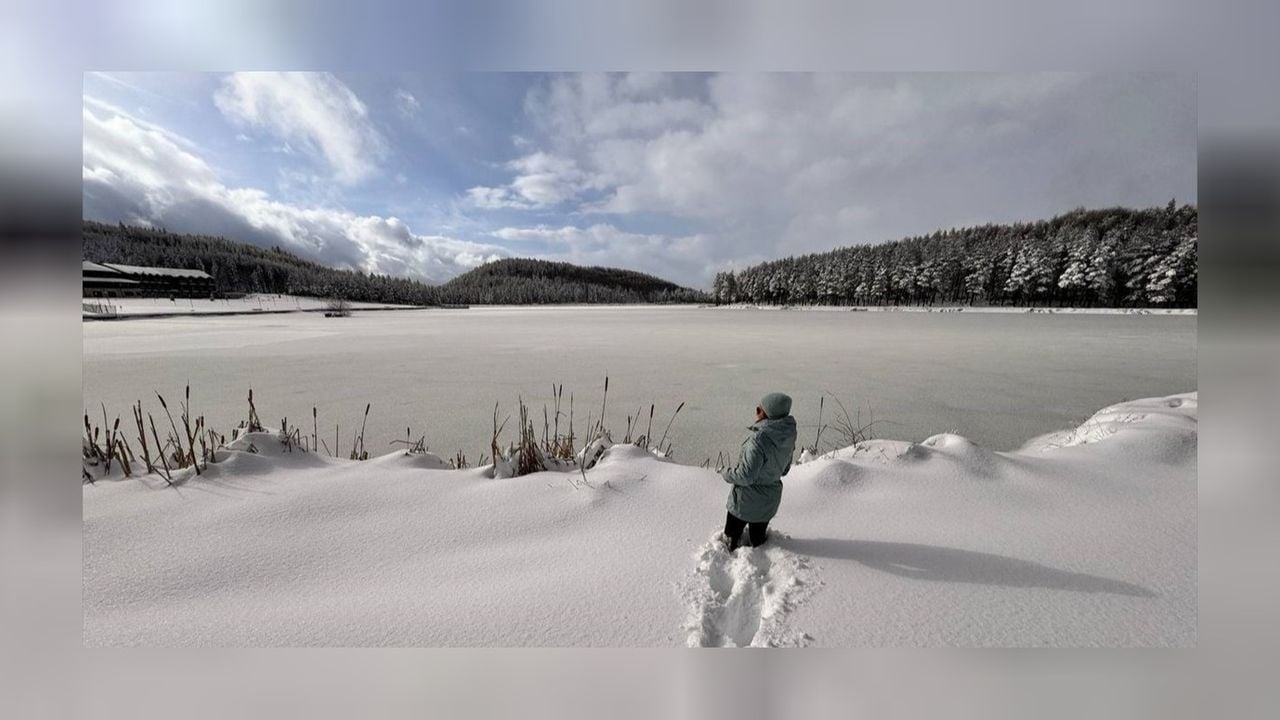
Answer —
243 268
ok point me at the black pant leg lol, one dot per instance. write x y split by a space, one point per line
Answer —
759 533
733 528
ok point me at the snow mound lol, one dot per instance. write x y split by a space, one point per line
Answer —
830 473
1174 417
951 442
944 454
418 460
1083 538
627 453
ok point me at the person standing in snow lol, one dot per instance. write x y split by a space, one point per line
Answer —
757 478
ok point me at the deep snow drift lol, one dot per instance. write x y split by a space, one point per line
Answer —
1082 538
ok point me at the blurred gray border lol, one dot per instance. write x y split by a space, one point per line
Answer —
45 48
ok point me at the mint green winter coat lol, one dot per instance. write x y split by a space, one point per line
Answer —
757 478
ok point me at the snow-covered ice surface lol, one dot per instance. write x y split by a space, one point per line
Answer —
995 378
1085 537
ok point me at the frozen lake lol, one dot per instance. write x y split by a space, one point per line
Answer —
998 379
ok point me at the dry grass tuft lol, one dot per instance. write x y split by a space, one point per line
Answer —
189 444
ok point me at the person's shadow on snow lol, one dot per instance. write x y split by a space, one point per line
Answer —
931 562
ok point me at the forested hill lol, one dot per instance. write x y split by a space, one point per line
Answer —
522 281
1117 257
240 268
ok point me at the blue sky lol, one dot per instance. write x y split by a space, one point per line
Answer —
680 175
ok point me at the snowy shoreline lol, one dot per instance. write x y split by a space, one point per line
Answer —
140 308
150 308
1012 310
1085 537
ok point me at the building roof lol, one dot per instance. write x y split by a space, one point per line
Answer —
159 271
87 266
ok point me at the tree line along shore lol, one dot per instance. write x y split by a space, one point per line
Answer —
1114 257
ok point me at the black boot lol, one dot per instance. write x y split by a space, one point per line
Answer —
733 528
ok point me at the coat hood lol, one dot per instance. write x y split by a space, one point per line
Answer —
779 430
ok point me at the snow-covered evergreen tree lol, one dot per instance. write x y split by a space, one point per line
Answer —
1075 276
718 288
976 279
1018 285
880 285
1101 271
1173 275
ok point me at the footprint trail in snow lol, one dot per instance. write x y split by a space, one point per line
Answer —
745 598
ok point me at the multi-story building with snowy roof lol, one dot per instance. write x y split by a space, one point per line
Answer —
115 280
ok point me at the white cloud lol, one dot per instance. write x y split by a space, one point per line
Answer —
759 148
545 179
406 103
494 198
110 109
315 111
138 173
768 164
599 106
541 180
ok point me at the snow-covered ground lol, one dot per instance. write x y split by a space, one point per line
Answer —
1085 537
93 308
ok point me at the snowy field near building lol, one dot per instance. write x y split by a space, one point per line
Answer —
1082 538
997 379
147 306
